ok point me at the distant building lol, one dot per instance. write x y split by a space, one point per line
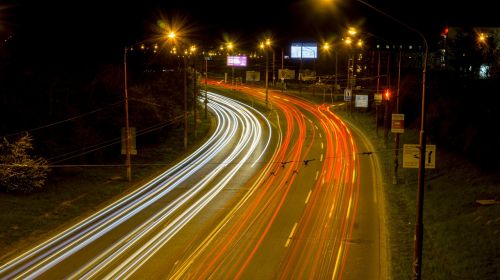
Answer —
473 52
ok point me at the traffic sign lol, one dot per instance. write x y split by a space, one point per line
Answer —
378 98
347 94
398 123
411 154
361 101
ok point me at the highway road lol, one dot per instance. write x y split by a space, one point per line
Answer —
292 194
118 240
314 216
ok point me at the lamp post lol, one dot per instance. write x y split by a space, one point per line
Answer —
172 36
192 51
128 160
419 226
263 46
326 47
206 82
230 48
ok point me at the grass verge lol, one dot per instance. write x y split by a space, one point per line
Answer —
461 236
79 191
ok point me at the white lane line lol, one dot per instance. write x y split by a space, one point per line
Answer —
317 174
289 240
308 196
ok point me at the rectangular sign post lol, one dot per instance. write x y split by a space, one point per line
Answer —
378 98
411 154
361 101
398 123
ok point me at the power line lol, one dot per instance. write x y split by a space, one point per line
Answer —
63 121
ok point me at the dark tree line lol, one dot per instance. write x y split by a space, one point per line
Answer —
74 110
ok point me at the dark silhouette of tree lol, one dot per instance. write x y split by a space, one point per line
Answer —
20 171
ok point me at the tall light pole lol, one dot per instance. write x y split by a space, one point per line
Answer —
172 36
230 47
419 226
192 51
128 161
264 47
206 86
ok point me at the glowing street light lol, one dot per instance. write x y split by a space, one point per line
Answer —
172 37
263 46
419 227
230 47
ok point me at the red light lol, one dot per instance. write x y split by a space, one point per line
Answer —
387 94
445 32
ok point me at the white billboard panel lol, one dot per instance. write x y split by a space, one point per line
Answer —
304 50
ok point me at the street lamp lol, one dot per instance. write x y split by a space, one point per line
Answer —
263 46
192 51
128 161
206 85
230 47
327 47
171 36
419 227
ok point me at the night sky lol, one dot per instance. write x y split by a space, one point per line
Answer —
93 27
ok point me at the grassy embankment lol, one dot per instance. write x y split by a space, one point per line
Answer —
79 191
461 236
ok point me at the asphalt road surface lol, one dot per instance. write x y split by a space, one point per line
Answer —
288 194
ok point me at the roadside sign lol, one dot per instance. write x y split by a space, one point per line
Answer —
398 123
347 94
361 101
378 98
411 154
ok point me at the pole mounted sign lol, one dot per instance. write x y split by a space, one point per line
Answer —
411 154
347 94
398 123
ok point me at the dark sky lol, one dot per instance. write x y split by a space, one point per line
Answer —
90 25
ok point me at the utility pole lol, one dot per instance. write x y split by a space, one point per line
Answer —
386 114
267 78
128 160
206 94
419 225
378 92
396 139
274 77
195 95
185 103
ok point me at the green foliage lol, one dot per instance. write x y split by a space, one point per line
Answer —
20 171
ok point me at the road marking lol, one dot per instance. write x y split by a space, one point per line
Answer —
321 158
290 236
320 135
349 208
317 174
322 146
308 196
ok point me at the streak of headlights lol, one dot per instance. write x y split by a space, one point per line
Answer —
230 115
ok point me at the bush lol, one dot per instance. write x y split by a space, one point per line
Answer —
20 171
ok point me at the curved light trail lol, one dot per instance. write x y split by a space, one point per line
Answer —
234 142
244 244
248 204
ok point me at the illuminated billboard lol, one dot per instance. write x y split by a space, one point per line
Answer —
304 50
236 60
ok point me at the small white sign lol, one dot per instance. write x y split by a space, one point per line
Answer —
361 101
411 154
347 94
